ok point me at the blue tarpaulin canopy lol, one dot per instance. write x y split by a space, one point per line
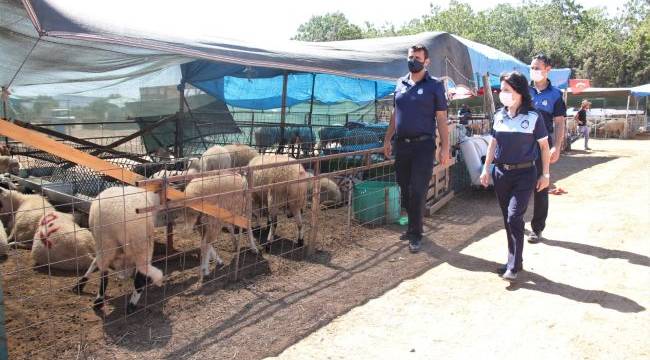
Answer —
641 91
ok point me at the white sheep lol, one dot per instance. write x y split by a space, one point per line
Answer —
62 244
24 212
117 230
330 194
240 154
215 158
210 227
613 128
9 165
291 198
4 246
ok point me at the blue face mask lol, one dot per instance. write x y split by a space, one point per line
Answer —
415 66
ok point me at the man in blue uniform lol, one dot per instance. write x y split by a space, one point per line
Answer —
548 102
419 105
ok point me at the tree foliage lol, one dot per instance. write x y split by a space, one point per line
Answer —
611 51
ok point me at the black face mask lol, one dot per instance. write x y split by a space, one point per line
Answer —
415 66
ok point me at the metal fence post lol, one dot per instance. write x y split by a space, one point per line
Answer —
4 354
315 209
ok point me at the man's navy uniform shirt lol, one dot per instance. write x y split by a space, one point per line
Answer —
517 137
416 105
549 104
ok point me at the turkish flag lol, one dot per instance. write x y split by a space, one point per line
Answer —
579 85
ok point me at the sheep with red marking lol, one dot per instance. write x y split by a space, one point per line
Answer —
23 212
61 244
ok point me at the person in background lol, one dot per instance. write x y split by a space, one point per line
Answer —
550 105
581 119
420 105
464 114
519 138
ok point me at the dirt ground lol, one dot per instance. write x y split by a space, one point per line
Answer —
584 295
284 298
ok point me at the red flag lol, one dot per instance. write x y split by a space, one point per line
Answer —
579 85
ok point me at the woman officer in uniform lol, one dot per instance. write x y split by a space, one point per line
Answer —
516 132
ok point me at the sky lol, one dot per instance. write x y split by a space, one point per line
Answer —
265 20
281 18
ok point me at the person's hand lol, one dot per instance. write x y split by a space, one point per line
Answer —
542 183
485 178
388 149
444 156
555 155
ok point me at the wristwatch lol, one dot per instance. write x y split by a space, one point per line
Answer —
548 176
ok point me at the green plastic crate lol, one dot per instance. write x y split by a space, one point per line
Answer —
376 202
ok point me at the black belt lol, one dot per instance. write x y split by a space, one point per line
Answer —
523 165
410 139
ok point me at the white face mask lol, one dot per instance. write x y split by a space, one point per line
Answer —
506 98
536 75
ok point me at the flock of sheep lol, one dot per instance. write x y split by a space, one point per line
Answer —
120 239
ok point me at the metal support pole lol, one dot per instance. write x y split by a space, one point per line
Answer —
311 101
376 105
249 215
178 138
315 210
283 111
4 353
627 115
5 97
169 231
250 134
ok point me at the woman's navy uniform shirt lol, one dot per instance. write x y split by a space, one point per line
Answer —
517 137
416 106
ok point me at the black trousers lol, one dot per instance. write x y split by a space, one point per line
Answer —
513 188
540 204
414 167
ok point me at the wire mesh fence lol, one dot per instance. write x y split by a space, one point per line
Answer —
153 253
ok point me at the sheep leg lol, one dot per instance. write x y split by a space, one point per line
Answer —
103 284
301 230
205 260
273 219
79 287
251 238
139 282
231 230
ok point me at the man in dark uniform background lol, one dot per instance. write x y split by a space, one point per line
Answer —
419 106
549 103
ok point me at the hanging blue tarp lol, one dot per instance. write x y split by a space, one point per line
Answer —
560 77
487 60
249 88
641 91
